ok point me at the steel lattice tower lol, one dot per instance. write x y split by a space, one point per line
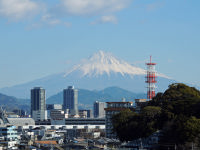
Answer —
151 79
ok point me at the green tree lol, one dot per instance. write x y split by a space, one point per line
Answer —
175 112
130 126
122 124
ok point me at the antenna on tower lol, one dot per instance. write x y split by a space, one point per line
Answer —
151 79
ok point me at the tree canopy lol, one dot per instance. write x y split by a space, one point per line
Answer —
176 112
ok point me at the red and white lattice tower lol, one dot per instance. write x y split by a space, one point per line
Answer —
151 79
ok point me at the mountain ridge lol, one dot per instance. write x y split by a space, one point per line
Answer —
86 98
99 71
104 63
10 103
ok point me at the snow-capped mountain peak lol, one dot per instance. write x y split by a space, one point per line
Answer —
99 71
105 63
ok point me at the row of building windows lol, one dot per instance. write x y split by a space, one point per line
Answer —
118 105
9 133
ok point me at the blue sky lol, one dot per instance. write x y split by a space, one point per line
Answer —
39 38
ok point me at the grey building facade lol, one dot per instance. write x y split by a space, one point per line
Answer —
70 100
99 111
50 107
38 104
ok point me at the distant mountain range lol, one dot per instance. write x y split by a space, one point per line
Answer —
11 103
86 98
98 72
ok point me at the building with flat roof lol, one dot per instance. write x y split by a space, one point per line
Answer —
85 121
53 106
85 113
58 117
9 133
112 109
140 103
38 104
21 121
99 111
70 100
50 107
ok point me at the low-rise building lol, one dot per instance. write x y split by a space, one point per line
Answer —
85 113
85 121
140 103
21 121
9 133
50 107
58 117
82 113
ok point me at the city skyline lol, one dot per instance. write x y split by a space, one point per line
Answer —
43 38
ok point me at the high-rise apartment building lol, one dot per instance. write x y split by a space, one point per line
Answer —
99 111
38 104
70 100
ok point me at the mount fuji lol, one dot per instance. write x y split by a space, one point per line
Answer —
99 71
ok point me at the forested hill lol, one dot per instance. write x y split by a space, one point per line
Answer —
176 113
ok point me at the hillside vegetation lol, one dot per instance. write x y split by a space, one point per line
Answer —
176 113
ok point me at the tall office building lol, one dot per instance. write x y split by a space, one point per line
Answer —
70 100
38 104
99 111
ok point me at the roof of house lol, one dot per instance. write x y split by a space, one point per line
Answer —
47 142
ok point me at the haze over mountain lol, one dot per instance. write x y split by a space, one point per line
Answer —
99 71
11 103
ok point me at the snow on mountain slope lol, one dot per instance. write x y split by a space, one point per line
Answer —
105 63
99 71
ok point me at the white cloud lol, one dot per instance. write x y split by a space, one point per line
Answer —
51 20
92 7
48 19
106 19
41 12
18 9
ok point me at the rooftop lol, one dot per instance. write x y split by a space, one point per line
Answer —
47 142
118 102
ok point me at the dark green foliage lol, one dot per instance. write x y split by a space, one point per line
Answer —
176 112
179 91
130 125
123 125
